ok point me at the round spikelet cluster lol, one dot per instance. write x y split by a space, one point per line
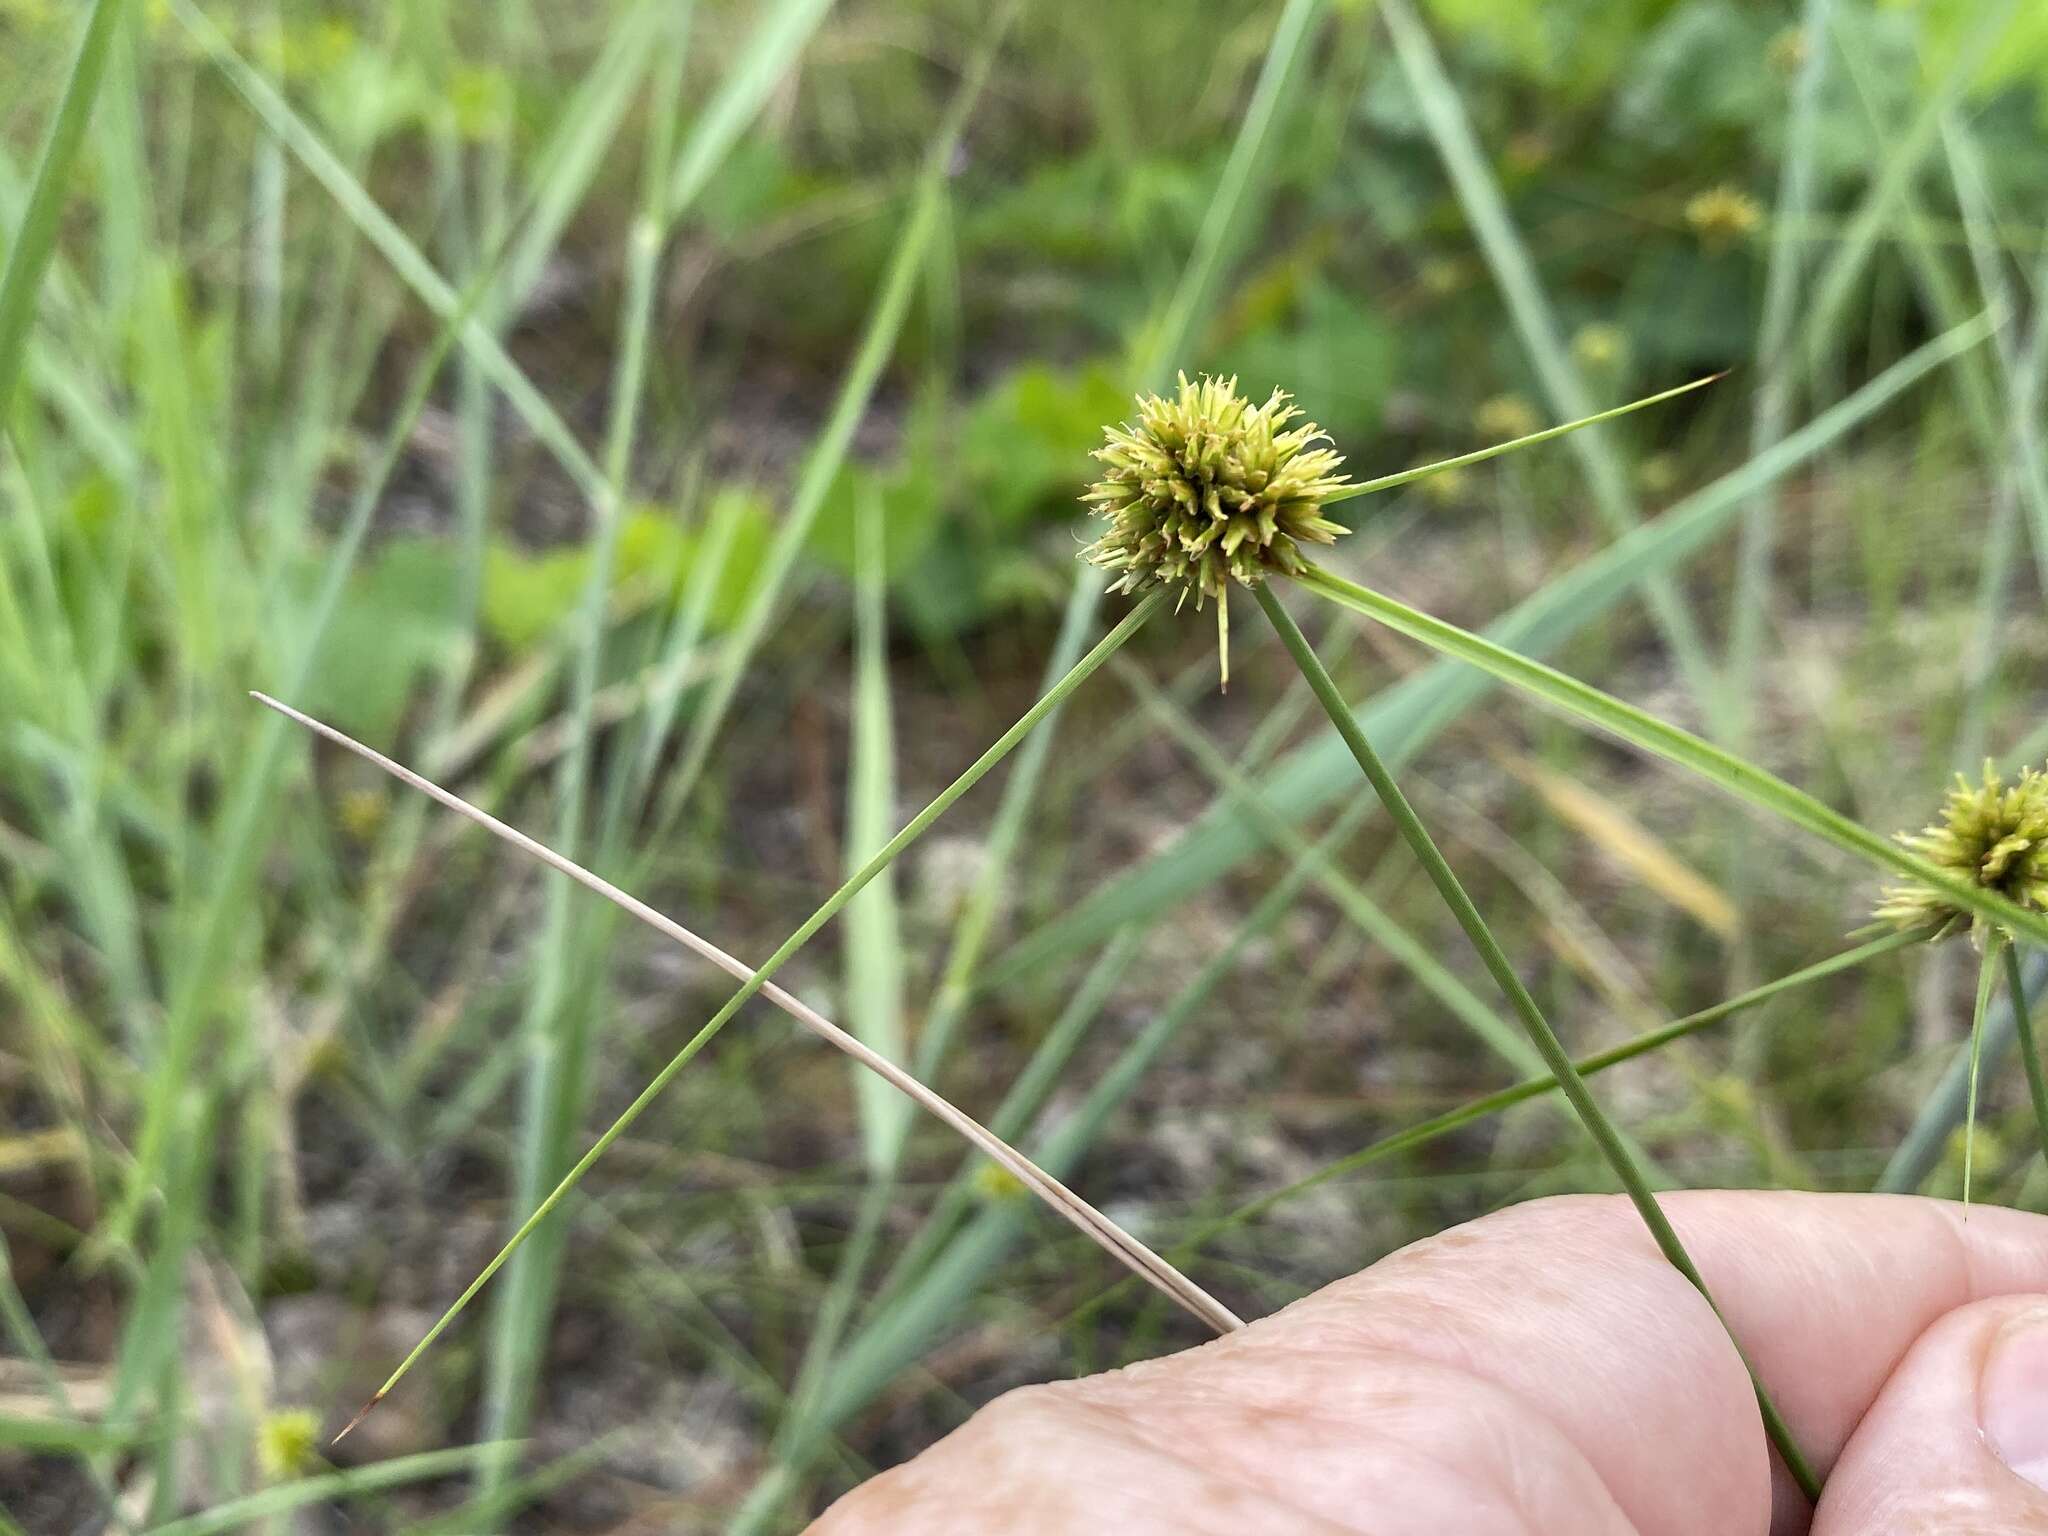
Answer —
1206 485
1992 835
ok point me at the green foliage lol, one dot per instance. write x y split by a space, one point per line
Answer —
527 597
366 356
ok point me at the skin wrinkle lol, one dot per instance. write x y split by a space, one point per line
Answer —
1497 1373
1677 1330
1377 1381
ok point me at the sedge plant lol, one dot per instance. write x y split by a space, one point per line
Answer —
1207 489
1991 836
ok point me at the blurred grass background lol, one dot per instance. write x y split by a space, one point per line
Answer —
662 423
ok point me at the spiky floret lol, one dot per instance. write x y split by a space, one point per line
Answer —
1992 835
1207 487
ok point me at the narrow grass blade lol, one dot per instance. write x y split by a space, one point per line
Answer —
328 1488
1223 224
1124 1247
559 1021
1836 283
1362 911
892 1339
743 89
1529 440
874 944
2021 363
1921 1149
1453 1120
36 234
397 248
1541 1035
976 922
2030 1055
232 859
821 467
1756 539
1751 597
49 1435
1744 780
1023 1099
588 128
1409 715
1535 1087
1536 322
1987 974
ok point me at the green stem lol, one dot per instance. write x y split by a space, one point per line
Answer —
1987 968
1638 728
2037 1085
1541 1035
886 855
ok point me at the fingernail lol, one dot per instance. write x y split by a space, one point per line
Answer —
2012 1396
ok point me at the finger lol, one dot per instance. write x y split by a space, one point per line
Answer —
1269 1441
1566 1310
1958 1438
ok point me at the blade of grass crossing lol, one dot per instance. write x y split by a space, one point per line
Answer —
1822 334
2020 364
1022 1100
327 1488
900 1329
1488 1027
831 908
251 807
589 128
1743 780
1756 540
1514 444
874 984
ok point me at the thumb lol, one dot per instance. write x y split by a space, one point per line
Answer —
1957 1440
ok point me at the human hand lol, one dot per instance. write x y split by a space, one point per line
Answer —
1543 1372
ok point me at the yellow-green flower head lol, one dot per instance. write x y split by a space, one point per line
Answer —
1722 215
1206 486
287 1442
1991 835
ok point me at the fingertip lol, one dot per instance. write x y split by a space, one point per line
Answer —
1957 1438
2012 1395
